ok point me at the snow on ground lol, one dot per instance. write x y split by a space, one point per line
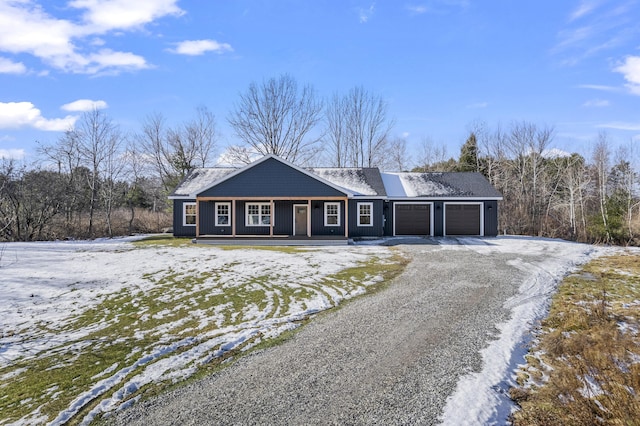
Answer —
45 287
482 397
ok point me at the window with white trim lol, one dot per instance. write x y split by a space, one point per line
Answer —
258 214
331 214
365 214
189 214
223 214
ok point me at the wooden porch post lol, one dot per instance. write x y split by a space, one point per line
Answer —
309 211
272 215
346 217
197 217
233 217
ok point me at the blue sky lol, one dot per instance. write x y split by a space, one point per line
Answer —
441 64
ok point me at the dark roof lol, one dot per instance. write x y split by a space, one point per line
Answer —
361 182
358 180
438 185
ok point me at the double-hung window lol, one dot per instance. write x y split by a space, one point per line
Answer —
331 214
189 214
365 217
258 214
223 214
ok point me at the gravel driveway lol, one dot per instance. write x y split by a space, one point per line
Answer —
388 358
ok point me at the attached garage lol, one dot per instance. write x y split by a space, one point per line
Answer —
412 219
463 219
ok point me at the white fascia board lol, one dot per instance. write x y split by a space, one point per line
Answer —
451 198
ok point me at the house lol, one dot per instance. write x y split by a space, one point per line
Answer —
272 198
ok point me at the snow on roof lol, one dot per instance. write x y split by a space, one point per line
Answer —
351 179
200 179
416 185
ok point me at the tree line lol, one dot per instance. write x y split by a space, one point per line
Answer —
95 180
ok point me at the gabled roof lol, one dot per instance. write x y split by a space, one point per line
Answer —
356 182
439 185
199 179
359 181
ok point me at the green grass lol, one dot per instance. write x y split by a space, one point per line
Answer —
133 324
587 350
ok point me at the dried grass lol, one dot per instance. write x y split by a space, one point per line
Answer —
588 351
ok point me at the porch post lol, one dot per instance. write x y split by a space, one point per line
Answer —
309 212
346 217
197 217
272 210
234 217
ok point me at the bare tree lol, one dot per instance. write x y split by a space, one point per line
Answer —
357 128
174 152
601 154
98 140
276 117
430 155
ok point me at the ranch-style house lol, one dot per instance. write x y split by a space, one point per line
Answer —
272 198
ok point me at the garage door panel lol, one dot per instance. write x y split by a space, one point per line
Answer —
413 219
462 219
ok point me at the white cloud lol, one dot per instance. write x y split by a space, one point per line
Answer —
630 69
366 14
599 87
478 105
417 9
106 15
12 153
596 103
199 47
14 115
70 45
618 125
7 66
83 105
583 9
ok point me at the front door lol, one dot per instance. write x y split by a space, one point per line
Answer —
300 219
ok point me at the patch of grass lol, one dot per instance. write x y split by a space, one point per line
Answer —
127 326
588 350
163 240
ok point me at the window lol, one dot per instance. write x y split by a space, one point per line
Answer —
223 214
365 217
189 214
258 214
331 214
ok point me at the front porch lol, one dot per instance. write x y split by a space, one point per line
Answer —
272 240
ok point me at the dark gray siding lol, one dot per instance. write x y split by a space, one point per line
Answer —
317 220
377 230
178 229
207 219
490 218
283 224
271 178
438 219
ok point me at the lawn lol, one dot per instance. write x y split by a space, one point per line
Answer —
88 327
584 368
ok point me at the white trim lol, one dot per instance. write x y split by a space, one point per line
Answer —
365 203
331 203
306 219
184 213
444 198
431 215
216 214
260 215
444 215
